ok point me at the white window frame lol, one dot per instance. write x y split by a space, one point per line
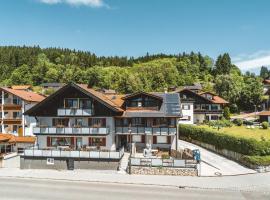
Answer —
137 138
160 140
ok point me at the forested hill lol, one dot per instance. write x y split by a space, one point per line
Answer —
34 65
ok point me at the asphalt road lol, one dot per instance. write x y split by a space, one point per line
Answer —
18 189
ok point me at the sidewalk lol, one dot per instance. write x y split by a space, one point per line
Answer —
250 182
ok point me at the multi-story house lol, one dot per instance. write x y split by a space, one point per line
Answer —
76 117
201 106
14 102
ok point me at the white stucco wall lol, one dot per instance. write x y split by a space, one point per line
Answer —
187 113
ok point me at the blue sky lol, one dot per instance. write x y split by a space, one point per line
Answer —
134 27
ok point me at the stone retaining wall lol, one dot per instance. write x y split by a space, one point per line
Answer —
164 171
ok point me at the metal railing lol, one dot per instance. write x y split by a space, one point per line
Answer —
159 162
74 112
146 130
71 130
54 153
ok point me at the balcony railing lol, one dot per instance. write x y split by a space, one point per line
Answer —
74 154
146 130
74 112
71 130
198 111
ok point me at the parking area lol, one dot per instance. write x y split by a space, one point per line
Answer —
215 165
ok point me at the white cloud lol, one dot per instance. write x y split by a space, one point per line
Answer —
91 3
252 61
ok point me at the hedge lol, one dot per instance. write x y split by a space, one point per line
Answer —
257 160
245 146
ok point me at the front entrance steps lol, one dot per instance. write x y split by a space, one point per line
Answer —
124 163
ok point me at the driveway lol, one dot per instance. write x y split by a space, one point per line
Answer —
214 164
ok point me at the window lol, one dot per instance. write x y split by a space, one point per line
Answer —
60 122
97 141
71 103
150 102
17 100
137 121
85 104
214 117
214 107
186 107
17 115
171 121
15 128
197 107
160 122
60 141
78 122
97 122
162 139
118 122
137 138
50 161
185 118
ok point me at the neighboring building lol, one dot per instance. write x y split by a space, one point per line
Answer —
14 102
264 116
54 86
203 106
22 87
10 143
196 87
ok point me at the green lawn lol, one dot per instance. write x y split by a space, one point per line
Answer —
242 131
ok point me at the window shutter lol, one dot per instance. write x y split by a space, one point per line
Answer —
72 141
90 141
154 139
48 141
169 139
103 124
103 142
143 138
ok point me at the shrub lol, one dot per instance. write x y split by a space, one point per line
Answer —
257 160
238 122
265 125
241 145
227 113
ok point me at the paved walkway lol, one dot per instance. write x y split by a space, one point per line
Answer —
214 163
250 182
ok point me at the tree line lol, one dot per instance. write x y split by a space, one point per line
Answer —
34 65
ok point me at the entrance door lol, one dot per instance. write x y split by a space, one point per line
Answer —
123 141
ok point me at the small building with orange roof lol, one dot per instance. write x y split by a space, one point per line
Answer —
14 101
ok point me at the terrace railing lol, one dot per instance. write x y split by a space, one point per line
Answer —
54 153
71 130
74 112
146 130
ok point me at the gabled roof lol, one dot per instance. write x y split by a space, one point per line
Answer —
215 99
266 81
102 98
170 107
25 95
145 93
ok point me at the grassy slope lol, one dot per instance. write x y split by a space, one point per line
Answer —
242 131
